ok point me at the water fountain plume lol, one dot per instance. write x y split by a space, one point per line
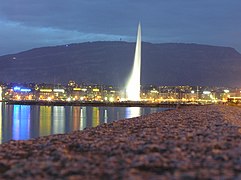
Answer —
134 83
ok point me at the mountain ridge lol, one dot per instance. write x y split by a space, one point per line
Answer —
110 62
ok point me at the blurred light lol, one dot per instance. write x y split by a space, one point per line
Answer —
77 89
49 99
132 112
154 91
59 90
96 90
192 92
16 88
1 98
122 99
25 90
45 90
206 92
111 99
226 91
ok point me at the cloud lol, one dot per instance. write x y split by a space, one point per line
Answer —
59 21
18 37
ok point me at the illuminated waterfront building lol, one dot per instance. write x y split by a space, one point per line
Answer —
59 94
1 91
45 94
103 93
19 93
78 94
72 84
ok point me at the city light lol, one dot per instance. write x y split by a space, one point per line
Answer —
25 90
16 88
30 97
18 97
102 93
1 93
59 90
19 89
226 91
45 90
206 92
154 91
111 99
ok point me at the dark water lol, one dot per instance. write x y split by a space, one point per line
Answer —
21 122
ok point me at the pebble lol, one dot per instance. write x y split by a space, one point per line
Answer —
201 142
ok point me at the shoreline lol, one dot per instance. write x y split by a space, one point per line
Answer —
198 142
109 104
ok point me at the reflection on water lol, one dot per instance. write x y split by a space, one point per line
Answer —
21 122
82 118
105 116
58 119
153 110
45 121
132 112
76 118
95 116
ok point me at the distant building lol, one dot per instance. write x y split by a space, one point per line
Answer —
1 91
103 93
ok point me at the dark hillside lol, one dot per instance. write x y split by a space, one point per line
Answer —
111 62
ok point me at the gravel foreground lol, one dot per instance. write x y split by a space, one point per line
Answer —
188 143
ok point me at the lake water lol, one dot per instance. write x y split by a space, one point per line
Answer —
21 122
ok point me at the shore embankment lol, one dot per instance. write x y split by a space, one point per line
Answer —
202 142
97 103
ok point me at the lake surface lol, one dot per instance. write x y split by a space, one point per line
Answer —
21 122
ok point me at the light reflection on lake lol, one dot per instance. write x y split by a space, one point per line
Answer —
58 117
21 122
132 112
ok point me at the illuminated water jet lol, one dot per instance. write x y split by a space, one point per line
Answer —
134 83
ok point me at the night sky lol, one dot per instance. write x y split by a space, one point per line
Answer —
27 24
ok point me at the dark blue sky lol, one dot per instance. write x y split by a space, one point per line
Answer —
28 24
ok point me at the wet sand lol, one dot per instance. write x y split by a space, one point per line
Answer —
188 143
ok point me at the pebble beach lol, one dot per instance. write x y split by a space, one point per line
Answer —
201 142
